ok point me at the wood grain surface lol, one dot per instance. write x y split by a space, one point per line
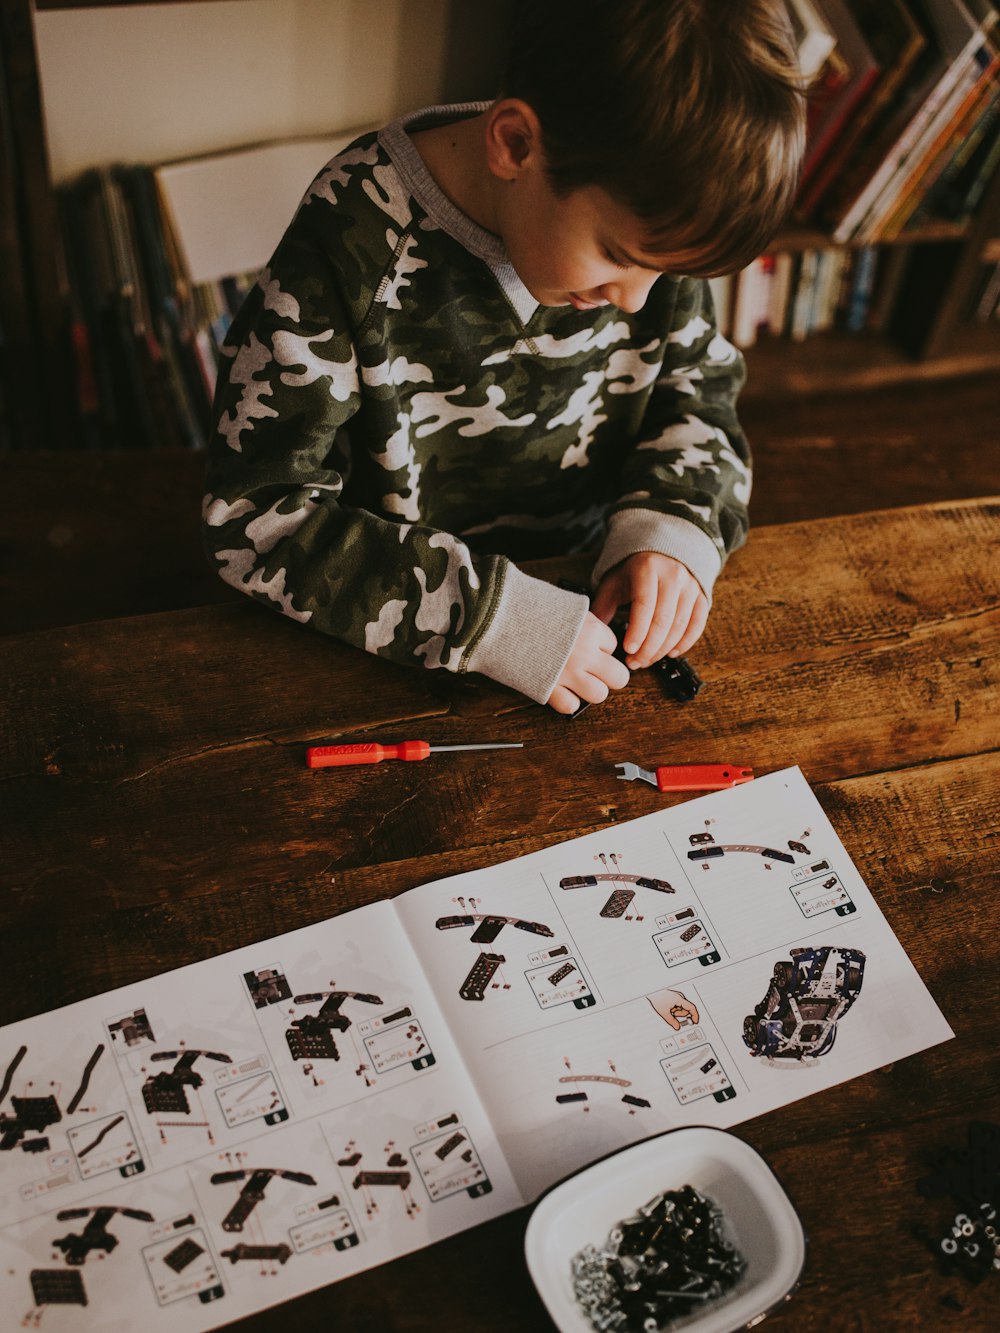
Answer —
157 810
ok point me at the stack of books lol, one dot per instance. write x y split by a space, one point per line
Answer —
144 339
888 291
903 141
157 263
814 290
904 114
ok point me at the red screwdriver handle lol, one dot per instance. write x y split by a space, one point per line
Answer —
408 750
341 756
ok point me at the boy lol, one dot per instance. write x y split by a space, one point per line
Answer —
486 337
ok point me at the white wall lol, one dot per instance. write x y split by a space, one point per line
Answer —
153 83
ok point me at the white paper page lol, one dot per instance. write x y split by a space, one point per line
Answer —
229 210
214 1163
688 909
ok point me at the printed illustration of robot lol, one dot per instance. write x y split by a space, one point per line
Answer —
806 998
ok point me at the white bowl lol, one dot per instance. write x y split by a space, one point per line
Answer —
759 1220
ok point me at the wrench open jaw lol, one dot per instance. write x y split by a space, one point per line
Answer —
629 773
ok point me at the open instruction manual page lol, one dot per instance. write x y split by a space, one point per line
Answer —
187 1150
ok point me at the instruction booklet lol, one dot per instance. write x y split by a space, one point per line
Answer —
190 1149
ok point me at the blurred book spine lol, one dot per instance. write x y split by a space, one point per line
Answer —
921 140
143 339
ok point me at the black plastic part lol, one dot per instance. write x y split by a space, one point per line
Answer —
679 678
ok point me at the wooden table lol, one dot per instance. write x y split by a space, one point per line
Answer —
156 811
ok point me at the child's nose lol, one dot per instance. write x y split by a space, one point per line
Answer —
629 292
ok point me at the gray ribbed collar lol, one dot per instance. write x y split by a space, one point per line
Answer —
413 173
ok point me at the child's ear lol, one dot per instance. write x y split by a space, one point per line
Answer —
513 138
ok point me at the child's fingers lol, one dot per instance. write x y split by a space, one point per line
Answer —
686 625
614 674
588 687
606 601
563 700
697 623
591 671
682 619
665 628
644 613
595 679
669 614
667 609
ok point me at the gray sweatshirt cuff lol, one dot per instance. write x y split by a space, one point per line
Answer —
532 633
634 530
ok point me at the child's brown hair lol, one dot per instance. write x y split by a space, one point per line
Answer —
690 113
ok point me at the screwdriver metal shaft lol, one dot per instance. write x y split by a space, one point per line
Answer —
341 756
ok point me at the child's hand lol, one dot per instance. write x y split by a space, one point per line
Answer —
667 608
591 671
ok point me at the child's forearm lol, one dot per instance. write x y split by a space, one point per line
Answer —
410 593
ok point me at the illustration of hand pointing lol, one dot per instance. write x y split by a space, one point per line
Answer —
673 1007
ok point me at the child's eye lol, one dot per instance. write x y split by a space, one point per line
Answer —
617 262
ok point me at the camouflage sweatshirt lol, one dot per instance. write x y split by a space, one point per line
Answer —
398 421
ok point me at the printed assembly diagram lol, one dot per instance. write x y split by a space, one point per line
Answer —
177 1148
579 1095
486 971
814 885
184 1151
336 1036
672 927
623 885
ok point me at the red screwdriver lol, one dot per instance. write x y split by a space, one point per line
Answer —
339 756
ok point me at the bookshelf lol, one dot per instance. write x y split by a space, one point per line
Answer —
835 363
903 118
952 344
37 377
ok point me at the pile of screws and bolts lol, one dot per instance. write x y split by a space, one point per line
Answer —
668 1260
970 1176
